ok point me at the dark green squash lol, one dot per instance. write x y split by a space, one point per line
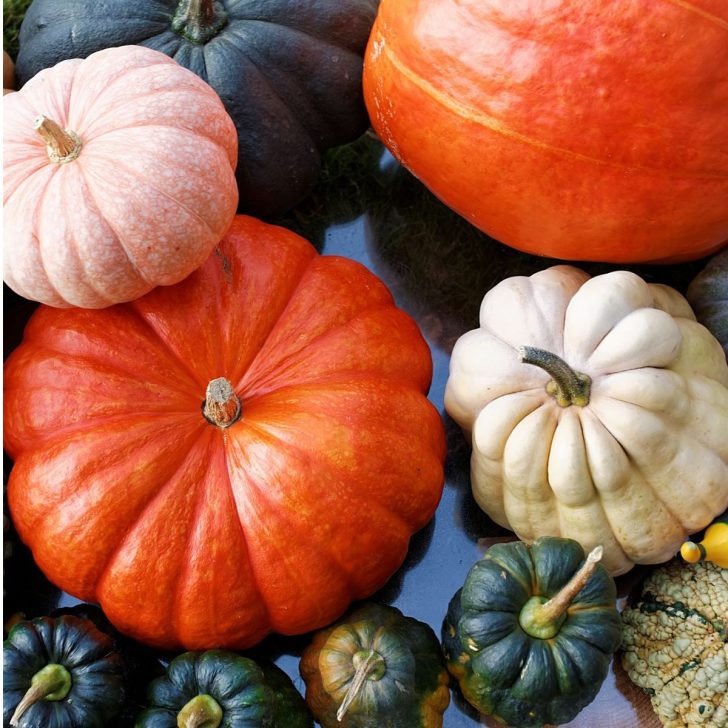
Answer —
221 688
376 668
61 673
708 295
530 635
288 72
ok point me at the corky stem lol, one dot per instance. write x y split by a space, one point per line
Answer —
567 386
557 606
199 20
368 667
203 711
543 618
63 145
222 406
52 682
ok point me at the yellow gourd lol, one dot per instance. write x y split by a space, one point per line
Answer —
713 547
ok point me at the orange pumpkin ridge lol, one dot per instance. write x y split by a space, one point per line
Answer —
212 529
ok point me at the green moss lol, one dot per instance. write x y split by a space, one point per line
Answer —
13 13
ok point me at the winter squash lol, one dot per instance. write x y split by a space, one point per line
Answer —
126 191
708 295
598 410
554 128
289 73
60 672
8 74
221 688
293 492
376 668
530 635
674 644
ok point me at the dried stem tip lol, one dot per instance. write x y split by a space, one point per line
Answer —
222 406
63 145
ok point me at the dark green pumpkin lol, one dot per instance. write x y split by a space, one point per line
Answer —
288 72
708 295
376 668
221 688
519 660
67 668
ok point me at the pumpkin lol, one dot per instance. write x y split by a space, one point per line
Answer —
376 668
60 673
713 547
220 688
597 410
554 128
530 635
674 644
108 193
708 296
8 74
234 457
289 73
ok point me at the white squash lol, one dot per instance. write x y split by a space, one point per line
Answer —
629 449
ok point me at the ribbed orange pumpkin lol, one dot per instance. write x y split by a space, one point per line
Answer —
118 177
194 524
582 130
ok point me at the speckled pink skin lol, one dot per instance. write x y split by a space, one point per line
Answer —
149 196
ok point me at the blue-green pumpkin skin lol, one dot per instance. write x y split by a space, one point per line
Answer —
97 692
289 74
521 680
251 695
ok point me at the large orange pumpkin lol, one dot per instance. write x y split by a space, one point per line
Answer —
118 176
249 450
582 130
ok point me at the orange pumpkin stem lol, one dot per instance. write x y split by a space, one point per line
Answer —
222 405
63 145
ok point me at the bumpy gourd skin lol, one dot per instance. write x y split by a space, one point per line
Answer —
674 642
503 671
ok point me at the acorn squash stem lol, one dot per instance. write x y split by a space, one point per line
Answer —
53 682
370 667
221 406
199 20
63 145
555 607
203 711
567 386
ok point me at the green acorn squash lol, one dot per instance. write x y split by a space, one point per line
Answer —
530 635
61 673
288 72
376 668
221 688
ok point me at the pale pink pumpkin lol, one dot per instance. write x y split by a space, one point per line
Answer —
118 177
